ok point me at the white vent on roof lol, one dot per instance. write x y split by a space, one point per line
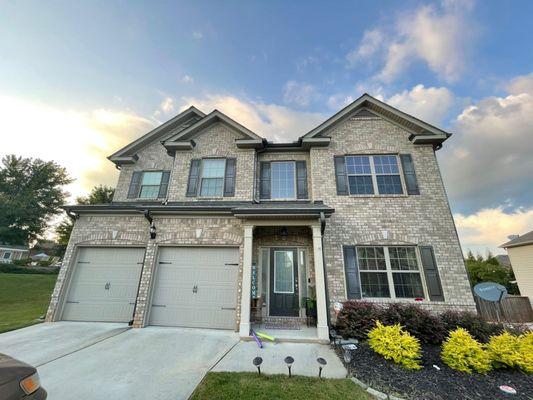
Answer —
513 237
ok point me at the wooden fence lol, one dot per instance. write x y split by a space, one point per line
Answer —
510 309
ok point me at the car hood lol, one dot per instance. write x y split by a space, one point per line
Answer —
11 369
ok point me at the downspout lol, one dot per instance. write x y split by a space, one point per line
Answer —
147 215
254 185
322 229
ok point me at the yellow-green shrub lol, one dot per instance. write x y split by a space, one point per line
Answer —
525 348
395 344
511 351
463 353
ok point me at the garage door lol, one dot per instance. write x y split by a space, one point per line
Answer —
195 287
104 285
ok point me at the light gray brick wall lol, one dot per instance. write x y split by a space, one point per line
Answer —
424 219
127 230
216 141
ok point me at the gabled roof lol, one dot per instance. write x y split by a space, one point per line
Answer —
211 118
421 132
127 154
522 240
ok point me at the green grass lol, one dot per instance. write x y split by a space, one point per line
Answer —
23 299
247 386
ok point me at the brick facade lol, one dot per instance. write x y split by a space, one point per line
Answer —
423 219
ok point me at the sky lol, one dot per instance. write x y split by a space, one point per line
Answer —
79 80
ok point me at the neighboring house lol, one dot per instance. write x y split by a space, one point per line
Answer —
10 253
503 260
211 223
520 250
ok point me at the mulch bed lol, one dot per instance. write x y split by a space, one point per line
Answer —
431 384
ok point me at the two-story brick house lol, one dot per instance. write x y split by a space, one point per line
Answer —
212 226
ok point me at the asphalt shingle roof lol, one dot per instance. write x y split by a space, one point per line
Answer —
526 238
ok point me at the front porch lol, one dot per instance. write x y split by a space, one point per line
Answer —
283 286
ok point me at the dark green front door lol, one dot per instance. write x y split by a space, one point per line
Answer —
284 282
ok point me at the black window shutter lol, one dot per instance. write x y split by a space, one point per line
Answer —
340 175
264 180
194 177
432 273
135 185
409 174
163 189
229 177
301 180
351 269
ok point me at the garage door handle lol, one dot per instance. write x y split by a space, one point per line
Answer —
227 308
231 264
73 302
158 305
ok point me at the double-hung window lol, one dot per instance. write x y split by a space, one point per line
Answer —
150 184
373 174
283 180
389 272
7 255
212 178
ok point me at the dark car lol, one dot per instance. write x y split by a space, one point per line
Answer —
19 380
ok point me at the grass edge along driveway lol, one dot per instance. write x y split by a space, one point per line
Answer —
249 385
23 299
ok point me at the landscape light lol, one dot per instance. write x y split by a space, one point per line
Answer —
321 364
289 361
257 361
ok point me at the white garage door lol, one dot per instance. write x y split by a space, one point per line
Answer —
104 284
195 287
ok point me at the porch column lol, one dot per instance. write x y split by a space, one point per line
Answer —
321 306
246 285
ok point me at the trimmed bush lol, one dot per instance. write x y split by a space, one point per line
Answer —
479 328
504 350
525 348
14 269
463 353
416 320
395 344
357 318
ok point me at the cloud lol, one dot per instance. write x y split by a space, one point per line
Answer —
371 43
167 105
187 79
198 35
437 36
430 104
300 94
489 158
78 140
274 122
488 228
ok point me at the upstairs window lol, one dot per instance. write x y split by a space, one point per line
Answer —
148 185
367 175
212 179
283 180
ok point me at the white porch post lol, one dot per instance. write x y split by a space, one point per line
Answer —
246 285
321 306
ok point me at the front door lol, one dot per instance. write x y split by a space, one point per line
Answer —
284 282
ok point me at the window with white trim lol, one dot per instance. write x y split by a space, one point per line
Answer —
392 271
283 180
373 174
7 255
150 184
212 179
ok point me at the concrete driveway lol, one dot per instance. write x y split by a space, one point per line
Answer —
109 361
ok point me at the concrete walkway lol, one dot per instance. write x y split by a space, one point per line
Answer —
304 354
100 363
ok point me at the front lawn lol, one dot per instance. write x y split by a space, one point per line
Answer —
247 385
23 299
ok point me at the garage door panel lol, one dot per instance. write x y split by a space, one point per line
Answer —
104 284
213 272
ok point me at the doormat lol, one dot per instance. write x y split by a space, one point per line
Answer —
289 325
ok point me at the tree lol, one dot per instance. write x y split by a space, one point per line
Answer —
99 195
31 191
489 270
